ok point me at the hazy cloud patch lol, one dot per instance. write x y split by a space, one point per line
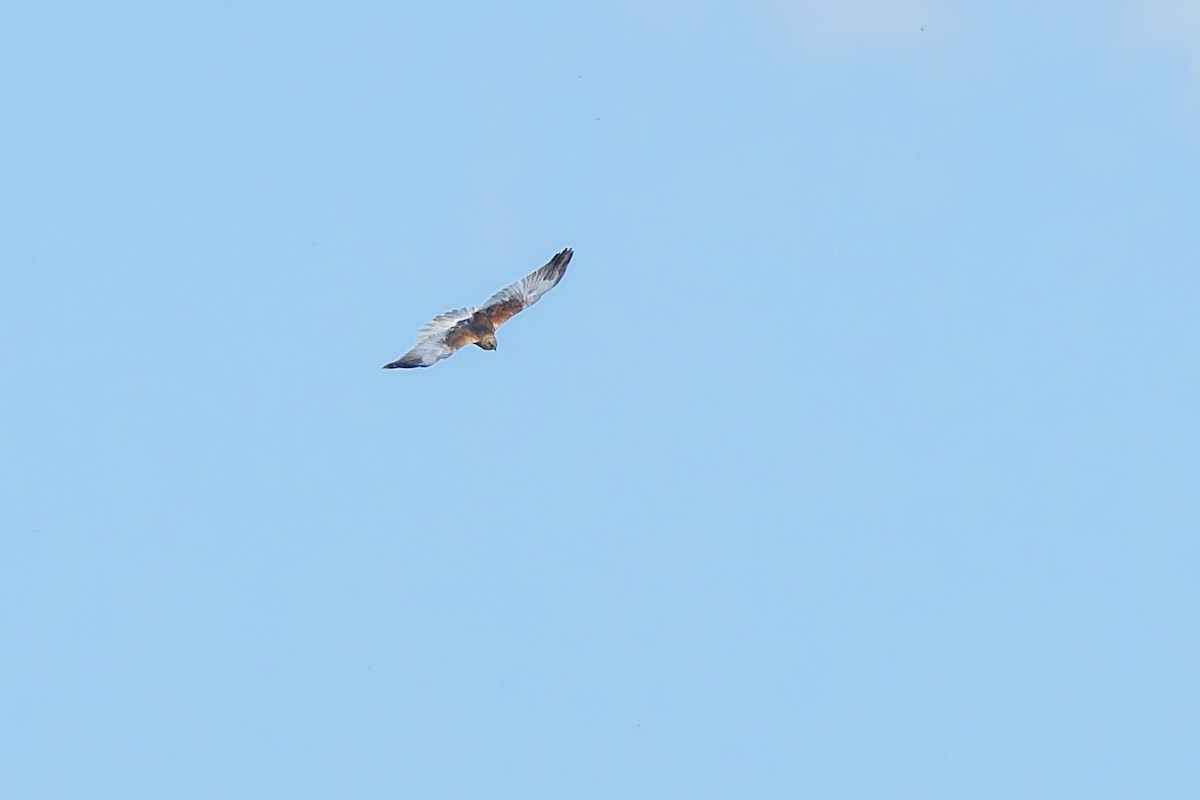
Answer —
825 28
1167 32
1174 25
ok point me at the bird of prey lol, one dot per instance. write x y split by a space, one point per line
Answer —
447 332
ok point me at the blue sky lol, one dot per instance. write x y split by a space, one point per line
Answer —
856 455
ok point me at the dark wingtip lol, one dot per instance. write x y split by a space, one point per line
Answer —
399 365
562 259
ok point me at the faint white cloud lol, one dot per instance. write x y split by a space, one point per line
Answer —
822 27
1168 32
827 26
1173 25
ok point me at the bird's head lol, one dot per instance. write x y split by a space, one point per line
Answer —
487 342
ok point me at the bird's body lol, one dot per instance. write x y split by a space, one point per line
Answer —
476 330
448 332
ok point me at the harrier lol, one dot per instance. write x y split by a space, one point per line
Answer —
463 326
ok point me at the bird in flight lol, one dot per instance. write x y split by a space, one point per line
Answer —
447 332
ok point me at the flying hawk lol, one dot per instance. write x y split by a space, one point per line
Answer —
447 332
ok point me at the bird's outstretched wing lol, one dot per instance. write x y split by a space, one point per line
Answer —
434 341
516 297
